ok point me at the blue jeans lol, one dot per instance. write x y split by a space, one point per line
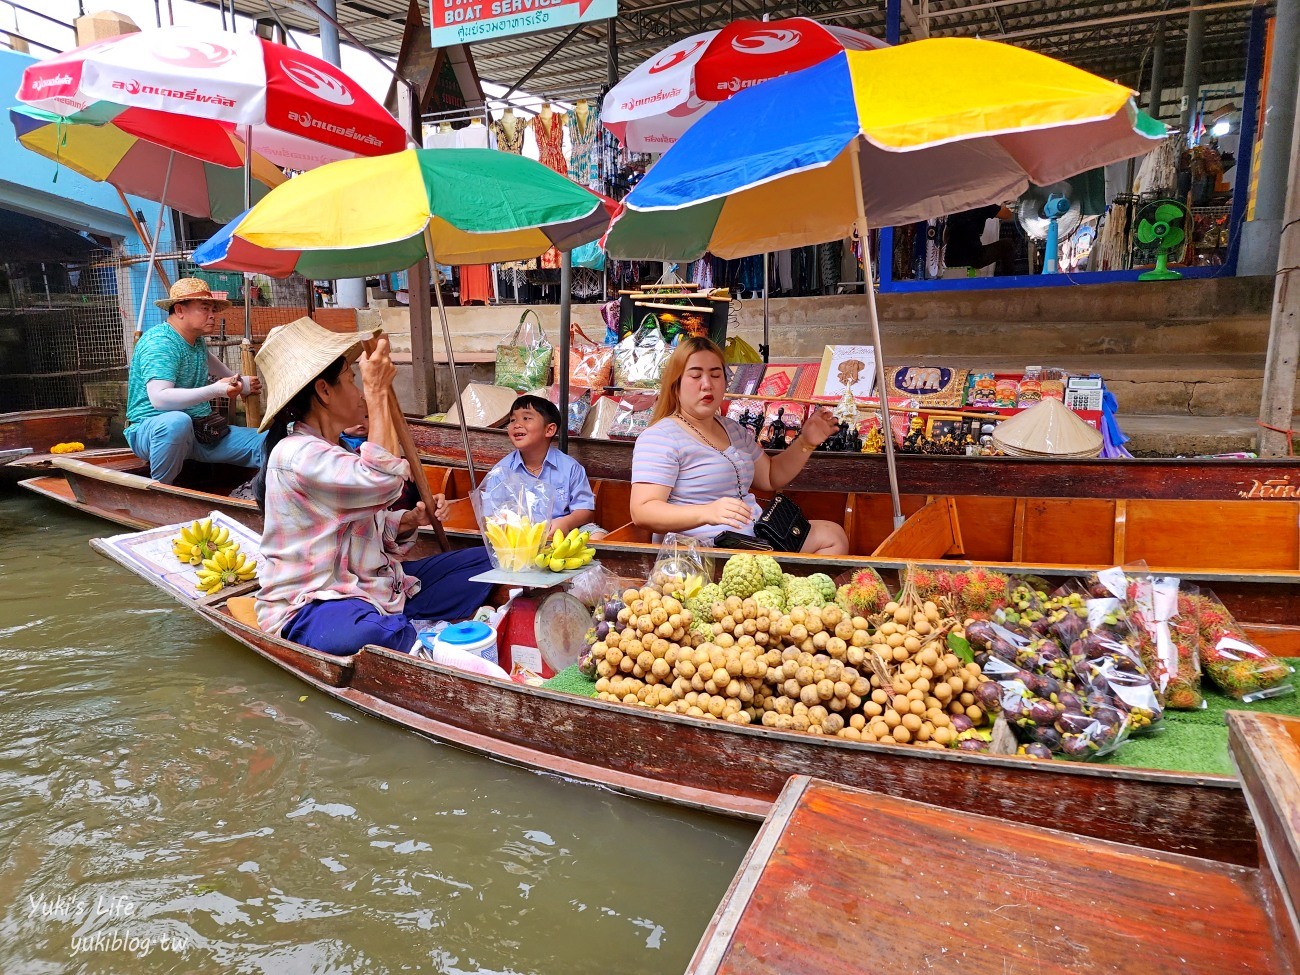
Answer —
343 626
166 441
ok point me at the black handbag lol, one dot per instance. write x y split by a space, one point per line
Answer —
210 429
783 525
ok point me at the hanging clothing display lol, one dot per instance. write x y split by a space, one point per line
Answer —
509 140
583 163
475 284
474 135
549 135
436 138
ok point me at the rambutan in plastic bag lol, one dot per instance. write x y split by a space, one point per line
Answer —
1239 667
1171 640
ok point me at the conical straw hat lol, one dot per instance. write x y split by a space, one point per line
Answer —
1048 429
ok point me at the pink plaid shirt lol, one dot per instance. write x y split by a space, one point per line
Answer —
328 533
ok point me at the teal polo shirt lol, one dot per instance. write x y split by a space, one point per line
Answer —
162 353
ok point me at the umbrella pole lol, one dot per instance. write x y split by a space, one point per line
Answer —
767 342
412 455
882 389
566 310
451 359
247 365
153 246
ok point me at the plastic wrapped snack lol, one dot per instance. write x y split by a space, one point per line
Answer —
1238 666
514 513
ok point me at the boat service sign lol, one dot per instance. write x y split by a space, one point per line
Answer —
467 21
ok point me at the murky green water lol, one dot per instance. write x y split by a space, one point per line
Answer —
169 802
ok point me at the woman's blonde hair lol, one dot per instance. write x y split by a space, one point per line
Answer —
670 383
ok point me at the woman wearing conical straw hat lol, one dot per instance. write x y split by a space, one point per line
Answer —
333 577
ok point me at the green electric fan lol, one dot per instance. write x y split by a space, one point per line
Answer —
1159 227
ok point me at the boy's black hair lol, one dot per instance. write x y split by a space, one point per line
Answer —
548 411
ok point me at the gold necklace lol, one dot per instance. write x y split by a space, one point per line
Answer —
740 490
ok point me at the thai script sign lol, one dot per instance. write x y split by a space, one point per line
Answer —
467 21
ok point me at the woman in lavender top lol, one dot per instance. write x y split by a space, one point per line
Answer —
693 471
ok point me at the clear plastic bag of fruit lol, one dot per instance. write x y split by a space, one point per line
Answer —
681 566
1237 665
1051 715
1170 646
514 514
1104 645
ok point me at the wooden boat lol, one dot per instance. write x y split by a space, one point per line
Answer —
1053 537
1173 478
738 770
887 884
36 431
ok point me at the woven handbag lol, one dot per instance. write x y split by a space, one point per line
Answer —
524 363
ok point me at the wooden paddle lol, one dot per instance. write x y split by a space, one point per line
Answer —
412 455
253 401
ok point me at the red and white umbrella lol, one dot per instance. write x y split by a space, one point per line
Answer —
302 111
662 97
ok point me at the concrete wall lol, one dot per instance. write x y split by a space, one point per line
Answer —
1223 315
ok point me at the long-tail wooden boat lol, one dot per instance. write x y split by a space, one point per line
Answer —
1172 478
739 770
36 431
886 884
1248 553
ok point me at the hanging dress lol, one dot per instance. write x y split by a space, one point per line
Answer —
504 140
550 142
550 153
516 145
582 144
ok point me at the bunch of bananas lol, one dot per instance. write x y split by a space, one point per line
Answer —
514 540
569 551
200 541
228 567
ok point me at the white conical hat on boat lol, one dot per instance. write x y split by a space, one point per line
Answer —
1048 429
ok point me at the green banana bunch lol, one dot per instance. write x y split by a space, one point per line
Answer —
226 568
569 551
200 541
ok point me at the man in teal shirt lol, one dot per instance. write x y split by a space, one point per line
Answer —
169 388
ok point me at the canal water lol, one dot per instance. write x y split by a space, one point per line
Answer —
170 802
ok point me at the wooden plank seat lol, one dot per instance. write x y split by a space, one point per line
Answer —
880 884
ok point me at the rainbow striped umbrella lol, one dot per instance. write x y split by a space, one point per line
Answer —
920 130
205 181
367 216
890 136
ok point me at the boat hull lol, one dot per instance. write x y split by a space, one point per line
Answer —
740 771
39 430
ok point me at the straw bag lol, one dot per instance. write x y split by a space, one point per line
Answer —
524 362
639 359
591 366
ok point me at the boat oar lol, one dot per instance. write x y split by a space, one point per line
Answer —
412 455
253 401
